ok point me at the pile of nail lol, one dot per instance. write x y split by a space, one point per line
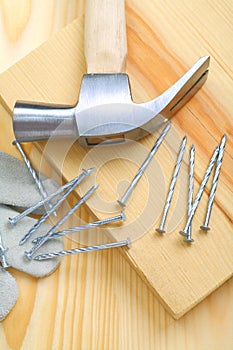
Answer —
192 204
53 233
50 203
64 192
69 187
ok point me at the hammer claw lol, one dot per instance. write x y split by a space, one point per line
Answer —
168 103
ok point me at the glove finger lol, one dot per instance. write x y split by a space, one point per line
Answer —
8 293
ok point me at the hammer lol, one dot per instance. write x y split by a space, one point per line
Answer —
105 111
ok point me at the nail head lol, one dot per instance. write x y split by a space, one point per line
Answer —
160 230
188 240
205 228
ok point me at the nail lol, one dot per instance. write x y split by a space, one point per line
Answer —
20 216
200 191
84 250
205 226
29 254
3 260
50 211
137 177
112 219
188 238
160 229
33 173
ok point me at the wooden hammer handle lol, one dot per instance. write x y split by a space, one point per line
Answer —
105 36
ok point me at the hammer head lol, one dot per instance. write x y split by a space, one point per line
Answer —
105 111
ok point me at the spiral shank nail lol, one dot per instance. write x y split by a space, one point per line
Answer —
204 181
176 171
190 190
146 162
34 228
29 254
156 146
20 216
90 225
173 184
46 215
3 259
82 250
84 227
215 181
201 189
79 178
191 178
32 171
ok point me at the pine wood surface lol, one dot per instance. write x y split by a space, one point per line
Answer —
115 301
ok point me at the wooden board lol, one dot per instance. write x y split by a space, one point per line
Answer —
178 276
26 24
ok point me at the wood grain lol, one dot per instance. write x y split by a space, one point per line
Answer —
103 290
26 24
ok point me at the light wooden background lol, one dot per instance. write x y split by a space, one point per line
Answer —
98 301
